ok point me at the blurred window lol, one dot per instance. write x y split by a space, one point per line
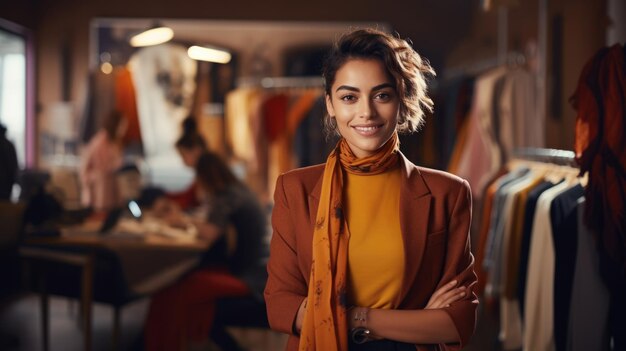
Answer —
13 90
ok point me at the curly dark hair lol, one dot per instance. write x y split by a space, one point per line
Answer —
191 138
406 66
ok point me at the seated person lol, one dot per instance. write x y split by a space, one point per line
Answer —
190 146
155 202
128 179
235 227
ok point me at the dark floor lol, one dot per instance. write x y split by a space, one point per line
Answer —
20 328
20 325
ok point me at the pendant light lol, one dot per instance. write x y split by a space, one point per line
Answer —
157 34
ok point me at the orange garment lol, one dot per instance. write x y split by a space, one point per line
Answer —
274 112
275 115
298 111
461 140
126 103
295 115
325 326
376 249
482 239
600 102
515 244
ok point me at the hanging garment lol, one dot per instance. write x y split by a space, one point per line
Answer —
493 239
481 242
453 101
481 156
164 80
510 318
529 216
519 123
589 305
310 143
100 102
539 305
600 100
238 124
563 221
126 103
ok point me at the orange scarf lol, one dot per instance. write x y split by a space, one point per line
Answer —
325 327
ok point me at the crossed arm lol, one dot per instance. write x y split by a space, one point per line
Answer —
430 325
436 323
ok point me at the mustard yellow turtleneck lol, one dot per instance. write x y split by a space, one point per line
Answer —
376 249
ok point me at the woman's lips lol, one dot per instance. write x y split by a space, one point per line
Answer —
367 130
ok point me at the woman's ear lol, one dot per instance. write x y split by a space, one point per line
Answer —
329 106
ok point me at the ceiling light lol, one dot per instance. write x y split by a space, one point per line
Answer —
158 34
202 53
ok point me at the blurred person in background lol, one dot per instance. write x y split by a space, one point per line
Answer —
100 160
180 317
8 165
190 146
155 203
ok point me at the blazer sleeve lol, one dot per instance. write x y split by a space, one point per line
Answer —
286 286
459 264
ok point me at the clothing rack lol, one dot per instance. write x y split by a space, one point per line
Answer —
280 82
513 58
556 156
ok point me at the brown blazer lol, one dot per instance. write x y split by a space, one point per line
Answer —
435 215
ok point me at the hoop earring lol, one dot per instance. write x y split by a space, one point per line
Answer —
333 123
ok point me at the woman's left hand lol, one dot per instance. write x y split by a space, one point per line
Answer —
446 295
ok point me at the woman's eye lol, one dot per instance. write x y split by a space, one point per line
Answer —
348 98
383 96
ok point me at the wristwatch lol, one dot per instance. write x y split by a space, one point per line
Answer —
360 335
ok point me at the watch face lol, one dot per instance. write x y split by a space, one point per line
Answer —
359 335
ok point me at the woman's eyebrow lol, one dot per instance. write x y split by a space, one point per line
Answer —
384 85
347 87
377 87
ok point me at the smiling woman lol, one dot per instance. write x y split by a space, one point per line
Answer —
369 251
365 106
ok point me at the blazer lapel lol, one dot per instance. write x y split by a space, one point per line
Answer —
314 199
415 201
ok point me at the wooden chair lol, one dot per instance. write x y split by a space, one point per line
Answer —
11 225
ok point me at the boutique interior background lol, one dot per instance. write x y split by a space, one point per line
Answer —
71 40
451 34
169 85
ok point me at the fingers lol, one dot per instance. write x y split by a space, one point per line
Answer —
444 289
446 295
451 296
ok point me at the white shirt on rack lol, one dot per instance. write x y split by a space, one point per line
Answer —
538 327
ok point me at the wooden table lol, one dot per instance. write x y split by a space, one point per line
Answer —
149 262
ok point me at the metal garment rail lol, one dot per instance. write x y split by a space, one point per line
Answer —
555 156
281 82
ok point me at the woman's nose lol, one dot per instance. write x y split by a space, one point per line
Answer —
366 110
